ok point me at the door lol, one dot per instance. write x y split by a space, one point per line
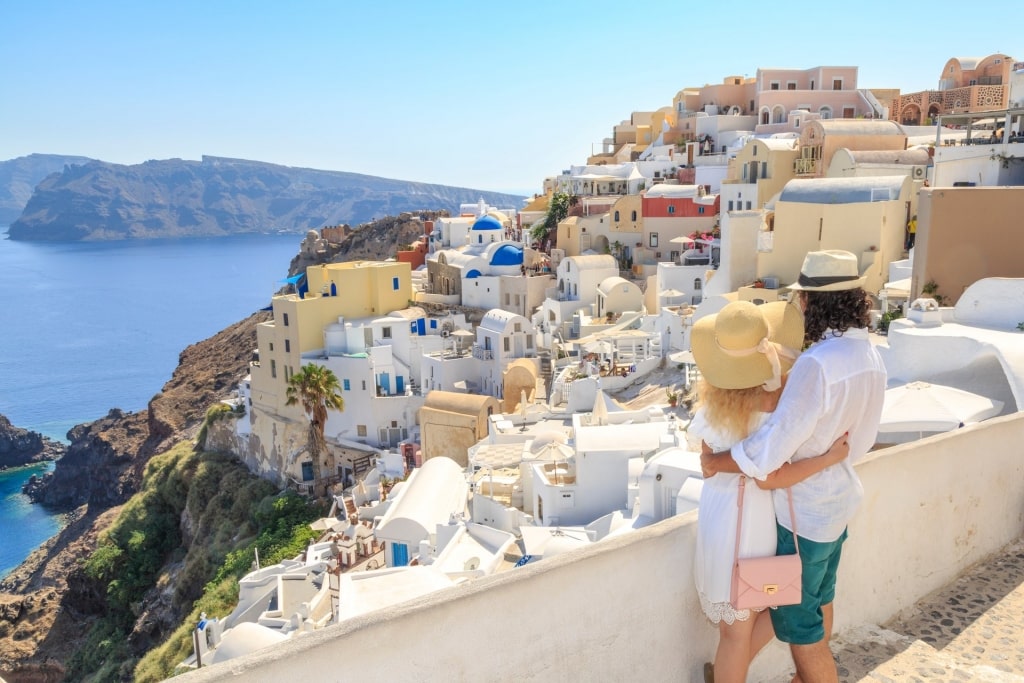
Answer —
421 326
385 383
399 384
399 554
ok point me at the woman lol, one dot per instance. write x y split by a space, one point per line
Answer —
743 353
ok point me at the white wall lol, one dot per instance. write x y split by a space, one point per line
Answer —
625 608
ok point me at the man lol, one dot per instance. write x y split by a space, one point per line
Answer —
837 386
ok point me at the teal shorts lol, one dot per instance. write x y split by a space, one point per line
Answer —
803 624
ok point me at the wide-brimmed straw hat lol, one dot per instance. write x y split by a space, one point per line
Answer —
832 270
744 345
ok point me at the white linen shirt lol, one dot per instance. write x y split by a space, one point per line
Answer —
837 385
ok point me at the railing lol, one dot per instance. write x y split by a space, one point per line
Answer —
480 353
805 166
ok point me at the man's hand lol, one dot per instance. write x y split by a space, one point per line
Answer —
707 460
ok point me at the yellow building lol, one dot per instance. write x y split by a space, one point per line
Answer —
352 290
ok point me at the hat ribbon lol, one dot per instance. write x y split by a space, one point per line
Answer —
771 350
823 280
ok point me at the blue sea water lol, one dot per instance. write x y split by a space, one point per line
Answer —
86 327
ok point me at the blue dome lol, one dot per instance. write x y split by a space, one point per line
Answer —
487 223
507 255
472 274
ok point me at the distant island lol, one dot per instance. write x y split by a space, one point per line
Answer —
88 200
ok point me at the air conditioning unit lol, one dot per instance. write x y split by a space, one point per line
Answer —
446 333
918 172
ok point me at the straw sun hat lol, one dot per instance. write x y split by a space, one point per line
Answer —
744 345
832 270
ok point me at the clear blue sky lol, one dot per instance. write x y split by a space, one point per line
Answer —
488 95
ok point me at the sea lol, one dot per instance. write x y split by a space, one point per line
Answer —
87 327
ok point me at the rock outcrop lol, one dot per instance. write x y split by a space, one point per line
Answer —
19 177
215 197
21 447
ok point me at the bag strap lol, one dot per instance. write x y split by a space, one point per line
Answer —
739 519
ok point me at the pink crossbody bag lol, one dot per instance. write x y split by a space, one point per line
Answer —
759 582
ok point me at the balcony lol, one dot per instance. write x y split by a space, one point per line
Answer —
805 167
480 353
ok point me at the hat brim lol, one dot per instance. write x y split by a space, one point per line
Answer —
833 287
786 328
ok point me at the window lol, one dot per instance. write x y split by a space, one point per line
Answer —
774 85
730 201
529 341
508 298
671 209
518 327
632 215
507 344
385 332
360 430
285 319
753 150
791 85
271 346
700 210
273 368
287 346
394 283
812 84
433 324
748 206
696 284
364 385
652 241
346 385
837 84
517 300
616 216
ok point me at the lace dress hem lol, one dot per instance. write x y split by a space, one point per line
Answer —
723 611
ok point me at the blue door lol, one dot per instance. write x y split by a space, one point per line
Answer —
399 384
385 383
399 554
421 326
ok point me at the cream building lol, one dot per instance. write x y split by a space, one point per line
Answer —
452 422
820 140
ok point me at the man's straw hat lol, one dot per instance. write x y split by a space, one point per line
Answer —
744 345
832 270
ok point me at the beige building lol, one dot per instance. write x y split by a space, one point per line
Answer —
763 166
966 85
352 290
965 234
451 422
820 140
865 216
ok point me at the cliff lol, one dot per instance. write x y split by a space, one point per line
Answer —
19 177
216 197
47 603
21 447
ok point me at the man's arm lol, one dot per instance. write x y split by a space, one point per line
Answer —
795 472
789 427
712 463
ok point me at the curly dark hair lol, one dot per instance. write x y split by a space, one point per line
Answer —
837 311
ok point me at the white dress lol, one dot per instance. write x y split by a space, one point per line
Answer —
716 526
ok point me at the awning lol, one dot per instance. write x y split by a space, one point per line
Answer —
294 279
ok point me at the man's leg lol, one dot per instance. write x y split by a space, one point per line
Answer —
807 626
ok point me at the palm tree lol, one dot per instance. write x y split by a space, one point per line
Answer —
317 389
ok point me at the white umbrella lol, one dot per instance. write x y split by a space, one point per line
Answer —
671 293
551 448
325 524
600 346
682 357
682 240
925 407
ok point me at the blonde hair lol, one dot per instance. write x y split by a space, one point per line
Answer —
731 410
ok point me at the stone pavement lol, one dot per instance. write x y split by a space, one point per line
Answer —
970 630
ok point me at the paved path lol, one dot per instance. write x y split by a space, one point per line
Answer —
971 630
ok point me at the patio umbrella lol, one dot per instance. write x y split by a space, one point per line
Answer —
925 407
683 239
325 524
671 293
682 357
551 448
600 346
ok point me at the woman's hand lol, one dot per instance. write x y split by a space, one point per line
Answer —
839 450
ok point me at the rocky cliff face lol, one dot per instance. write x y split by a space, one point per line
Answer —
215 196
22 447
45 605
19 177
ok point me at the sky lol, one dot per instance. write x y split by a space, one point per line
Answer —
486 95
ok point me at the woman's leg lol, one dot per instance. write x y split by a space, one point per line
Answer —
763 633
732 659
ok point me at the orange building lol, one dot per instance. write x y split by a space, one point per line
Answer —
966 85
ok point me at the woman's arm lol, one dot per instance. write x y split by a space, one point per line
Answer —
794 472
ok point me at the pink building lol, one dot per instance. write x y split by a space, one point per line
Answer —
966 85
